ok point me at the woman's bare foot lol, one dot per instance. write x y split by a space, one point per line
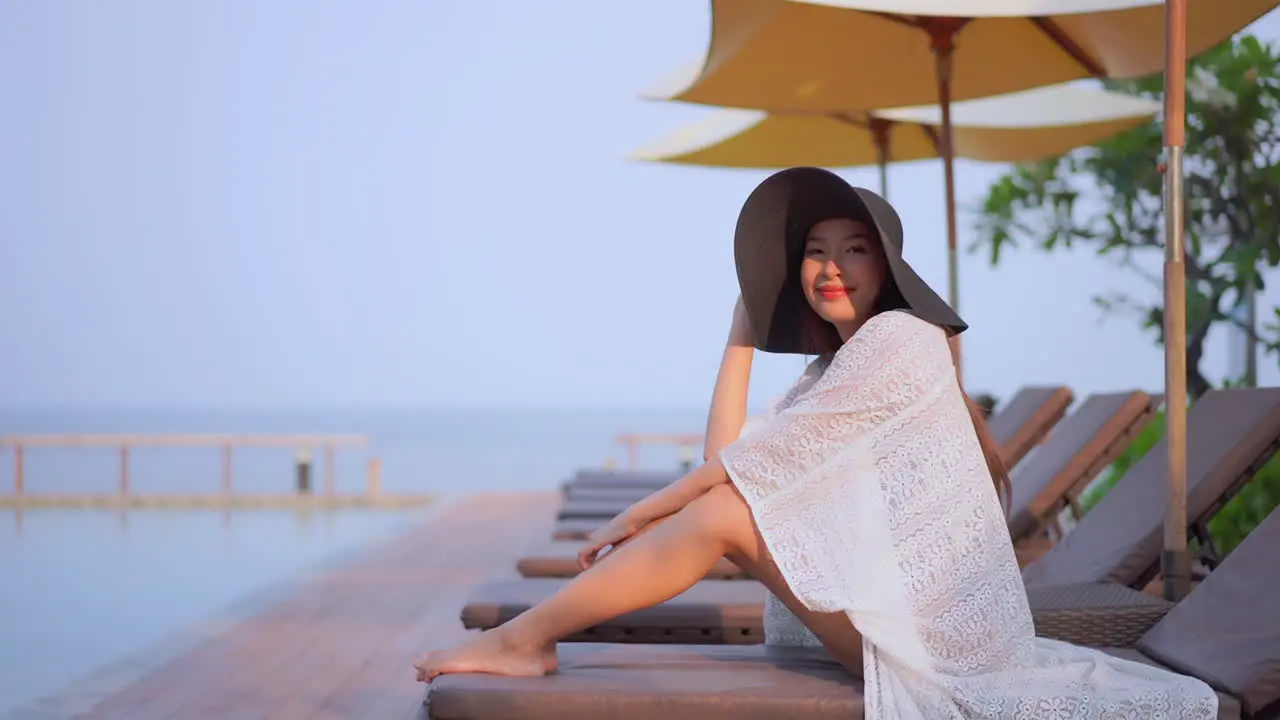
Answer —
491 652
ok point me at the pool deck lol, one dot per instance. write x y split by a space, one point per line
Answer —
335 643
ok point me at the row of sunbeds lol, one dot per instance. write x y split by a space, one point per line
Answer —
700 655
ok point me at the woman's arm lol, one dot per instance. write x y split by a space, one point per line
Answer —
729 400
675 496
667 501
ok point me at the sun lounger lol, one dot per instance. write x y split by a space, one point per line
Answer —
1052 478
673 682
1082 444
1016 428
1226 632
1233 433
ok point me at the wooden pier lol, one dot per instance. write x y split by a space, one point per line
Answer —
334 645
226 497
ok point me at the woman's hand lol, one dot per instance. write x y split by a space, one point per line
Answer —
614 532
740 329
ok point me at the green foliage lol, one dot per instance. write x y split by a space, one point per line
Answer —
1109 197
1240 516
1233 522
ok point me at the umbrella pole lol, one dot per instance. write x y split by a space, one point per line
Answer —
943 38
880 135
1175 563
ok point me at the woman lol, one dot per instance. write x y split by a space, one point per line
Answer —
869 505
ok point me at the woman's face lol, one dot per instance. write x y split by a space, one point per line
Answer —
842 272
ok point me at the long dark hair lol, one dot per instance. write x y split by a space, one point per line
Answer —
824 339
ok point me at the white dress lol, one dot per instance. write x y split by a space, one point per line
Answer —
871 491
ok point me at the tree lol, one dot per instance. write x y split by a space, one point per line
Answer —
1109 197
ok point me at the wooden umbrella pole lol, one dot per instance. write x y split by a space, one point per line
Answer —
942 36
1175 562
880 135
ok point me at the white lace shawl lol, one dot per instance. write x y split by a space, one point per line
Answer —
871 491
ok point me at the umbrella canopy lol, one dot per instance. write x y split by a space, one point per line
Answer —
1018 127
818 57
832 56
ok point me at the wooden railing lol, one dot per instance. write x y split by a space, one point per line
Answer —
688 443
304 446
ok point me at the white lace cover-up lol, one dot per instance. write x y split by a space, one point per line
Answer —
871 491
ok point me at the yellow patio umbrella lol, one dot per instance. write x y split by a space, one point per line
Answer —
828 56
1017 127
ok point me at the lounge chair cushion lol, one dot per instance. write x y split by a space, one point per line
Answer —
1025 420
572 509
622 682
1227 631
1082 444
672 682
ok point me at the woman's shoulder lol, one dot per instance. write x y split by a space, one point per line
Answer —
892 327
894 337
891 346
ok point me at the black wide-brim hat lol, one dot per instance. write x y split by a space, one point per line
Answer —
768 247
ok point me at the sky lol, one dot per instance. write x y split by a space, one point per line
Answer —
425 204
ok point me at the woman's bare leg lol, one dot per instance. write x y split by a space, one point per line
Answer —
651 568
835 631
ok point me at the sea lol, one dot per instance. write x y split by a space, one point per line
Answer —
82 590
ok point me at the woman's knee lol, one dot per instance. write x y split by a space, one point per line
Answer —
722 513
724 499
